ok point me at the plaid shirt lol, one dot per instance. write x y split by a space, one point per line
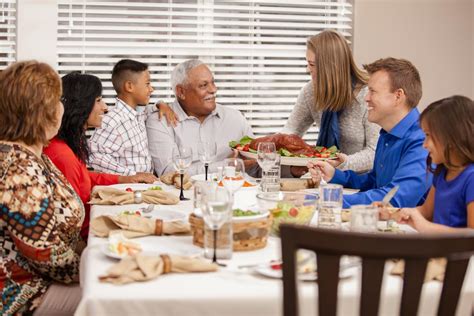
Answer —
121 145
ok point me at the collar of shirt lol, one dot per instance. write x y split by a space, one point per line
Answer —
404 125
126 109
182 116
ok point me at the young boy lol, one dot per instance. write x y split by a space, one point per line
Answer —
121 145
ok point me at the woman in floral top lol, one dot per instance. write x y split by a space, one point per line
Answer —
40 214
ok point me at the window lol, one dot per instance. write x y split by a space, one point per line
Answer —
256 49
7 32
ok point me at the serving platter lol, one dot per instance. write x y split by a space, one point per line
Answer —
286 161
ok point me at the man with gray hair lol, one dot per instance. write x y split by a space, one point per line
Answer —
199 118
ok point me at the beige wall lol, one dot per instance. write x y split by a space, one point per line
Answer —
436 35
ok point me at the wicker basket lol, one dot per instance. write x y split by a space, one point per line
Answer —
248 235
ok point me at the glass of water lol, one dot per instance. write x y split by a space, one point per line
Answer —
364 218
330 206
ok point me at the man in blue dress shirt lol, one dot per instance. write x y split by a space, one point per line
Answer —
400 159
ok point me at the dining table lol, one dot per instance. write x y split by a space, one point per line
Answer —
246 286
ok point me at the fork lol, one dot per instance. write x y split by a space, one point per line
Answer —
148 209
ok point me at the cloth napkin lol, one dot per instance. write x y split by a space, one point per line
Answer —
133 226
434 271
143 268
173 178
111 196
297 184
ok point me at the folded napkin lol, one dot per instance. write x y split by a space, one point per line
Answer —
297 184
111 196
143 268
173 178
135 226
434 271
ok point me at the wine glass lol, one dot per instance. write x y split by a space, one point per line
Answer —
182 158
233 174
216 205
266 155
207 151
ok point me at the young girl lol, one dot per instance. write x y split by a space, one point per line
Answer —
449 128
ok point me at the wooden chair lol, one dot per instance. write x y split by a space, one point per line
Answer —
374 249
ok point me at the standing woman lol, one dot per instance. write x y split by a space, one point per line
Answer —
69 151
334 100
40 214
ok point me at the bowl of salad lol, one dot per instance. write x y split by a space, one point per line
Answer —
288 207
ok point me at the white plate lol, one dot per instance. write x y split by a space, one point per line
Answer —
286 161
106 251
136 186
166 215
201 177
267 271
238 219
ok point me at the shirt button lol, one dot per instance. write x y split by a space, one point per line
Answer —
381 165
386 144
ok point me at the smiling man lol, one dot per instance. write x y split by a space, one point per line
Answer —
199 118
400 159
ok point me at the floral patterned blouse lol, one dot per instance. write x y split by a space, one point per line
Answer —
40 220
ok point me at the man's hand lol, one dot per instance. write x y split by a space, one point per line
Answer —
167 112
321 169
139 177
248 163
336 162
297 171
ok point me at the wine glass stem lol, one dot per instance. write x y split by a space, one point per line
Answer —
181 193
214 256
206 168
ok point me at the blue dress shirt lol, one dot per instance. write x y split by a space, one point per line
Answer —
400 159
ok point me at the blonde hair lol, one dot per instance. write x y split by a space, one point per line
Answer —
335 70
30 93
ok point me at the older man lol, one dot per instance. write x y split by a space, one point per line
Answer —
199 118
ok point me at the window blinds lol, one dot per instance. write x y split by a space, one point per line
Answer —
7 32
256 49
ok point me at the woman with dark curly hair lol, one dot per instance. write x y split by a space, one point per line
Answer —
69 151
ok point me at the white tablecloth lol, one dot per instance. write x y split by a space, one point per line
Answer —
230 291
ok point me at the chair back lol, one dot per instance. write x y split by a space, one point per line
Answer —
415 249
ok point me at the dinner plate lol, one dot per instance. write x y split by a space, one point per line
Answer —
201 177
106 251
286 161
239 219
267 271
136 186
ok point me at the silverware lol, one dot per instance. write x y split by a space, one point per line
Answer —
386 199
148 209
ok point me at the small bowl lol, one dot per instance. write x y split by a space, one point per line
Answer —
288 207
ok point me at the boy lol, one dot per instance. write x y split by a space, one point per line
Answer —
121 145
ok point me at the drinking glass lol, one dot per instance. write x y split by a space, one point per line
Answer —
364 218
266 155
216 209
207 151
233 174
182 159
330 205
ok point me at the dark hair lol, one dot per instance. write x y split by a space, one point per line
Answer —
451 124
124 70
403 75
79 94
29 100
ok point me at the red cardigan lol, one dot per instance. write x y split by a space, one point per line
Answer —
81 179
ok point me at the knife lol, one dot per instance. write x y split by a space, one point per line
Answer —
389 195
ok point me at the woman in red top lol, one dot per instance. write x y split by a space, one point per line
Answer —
83 108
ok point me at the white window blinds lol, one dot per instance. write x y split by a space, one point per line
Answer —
256 49
7 32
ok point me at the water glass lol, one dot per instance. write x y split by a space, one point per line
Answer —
364 218
270 181
330 206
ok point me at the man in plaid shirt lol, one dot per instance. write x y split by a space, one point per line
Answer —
121 145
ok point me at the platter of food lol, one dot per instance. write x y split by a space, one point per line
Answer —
294 151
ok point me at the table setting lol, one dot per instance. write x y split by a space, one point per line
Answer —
178 270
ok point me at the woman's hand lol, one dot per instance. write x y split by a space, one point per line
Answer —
341 158
297 172
168 113
139 177
414 218
321 169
